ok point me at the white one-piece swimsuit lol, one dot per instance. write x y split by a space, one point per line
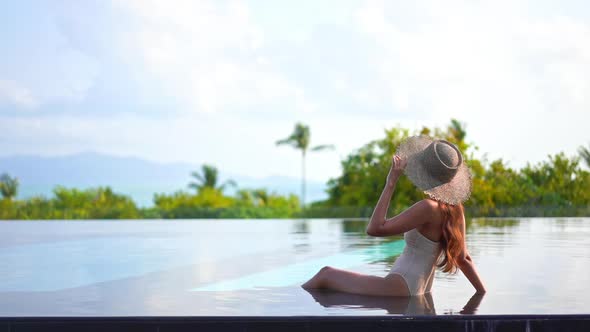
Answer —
416 264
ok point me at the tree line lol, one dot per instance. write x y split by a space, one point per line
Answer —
557 186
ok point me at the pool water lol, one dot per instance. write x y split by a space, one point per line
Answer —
255 267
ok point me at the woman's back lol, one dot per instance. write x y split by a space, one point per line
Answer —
432 228
417 262
423 248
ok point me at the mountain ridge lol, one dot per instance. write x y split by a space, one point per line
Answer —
130 175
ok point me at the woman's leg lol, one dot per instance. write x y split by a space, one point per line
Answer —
356 283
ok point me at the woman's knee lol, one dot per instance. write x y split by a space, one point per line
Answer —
324 274
326 269
319 279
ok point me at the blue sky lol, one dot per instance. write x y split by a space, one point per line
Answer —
220 81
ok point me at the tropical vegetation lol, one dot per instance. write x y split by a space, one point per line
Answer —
557 186
70 203
208 179
585 154
8 186
300 140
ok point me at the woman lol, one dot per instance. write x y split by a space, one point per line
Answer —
434 228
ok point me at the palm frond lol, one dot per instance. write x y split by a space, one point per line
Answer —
8 186
206 178
287 141
458 130
210 174
585 154
323 147
230 183
198 176
298 139
261 195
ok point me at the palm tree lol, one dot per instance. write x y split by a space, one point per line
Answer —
457 134
299 139
261 196
245 196
208 179
457 129
585 154
8 186
257 197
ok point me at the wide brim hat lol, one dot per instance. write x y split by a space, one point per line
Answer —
436 167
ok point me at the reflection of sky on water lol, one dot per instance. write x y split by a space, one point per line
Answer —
298 273
252 267
535 266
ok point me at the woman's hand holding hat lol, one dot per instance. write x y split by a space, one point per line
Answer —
398 164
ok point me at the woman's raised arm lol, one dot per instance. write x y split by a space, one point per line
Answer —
380 211
403 222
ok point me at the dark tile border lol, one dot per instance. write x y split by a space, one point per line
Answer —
500 323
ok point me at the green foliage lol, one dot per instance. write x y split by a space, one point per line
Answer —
97 203
585 154
299 139
558 181
364 172
554 187
211 203
8 186
208 179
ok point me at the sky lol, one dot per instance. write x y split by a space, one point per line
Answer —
219 81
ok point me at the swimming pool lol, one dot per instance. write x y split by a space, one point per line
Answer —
255 267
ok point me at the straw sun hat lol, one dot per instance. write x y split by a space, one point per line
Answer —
437 168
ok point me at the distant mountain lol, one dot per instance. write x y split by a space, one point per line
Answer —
135 177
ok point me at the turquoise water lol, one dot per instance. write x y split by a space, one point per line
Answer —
255 267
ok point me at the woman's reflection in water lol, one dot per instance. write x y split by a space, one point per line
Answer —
411 305
471 307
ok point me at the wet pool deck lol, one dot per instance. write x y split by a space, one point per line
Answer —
529 323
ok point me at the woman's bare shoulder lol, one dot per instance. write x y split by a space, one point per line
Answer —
427 205
427 208
430 210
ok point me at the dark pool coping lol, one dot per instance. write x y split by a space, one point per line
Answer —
529 323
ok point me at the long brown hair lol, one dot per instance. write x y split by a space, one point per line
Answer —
452 237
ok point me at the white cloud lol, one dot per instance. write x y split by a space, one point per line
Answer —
507 73
207 54
11 93
240 145
39 65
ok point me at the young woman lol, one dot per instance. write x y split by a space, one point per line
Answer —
434 228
